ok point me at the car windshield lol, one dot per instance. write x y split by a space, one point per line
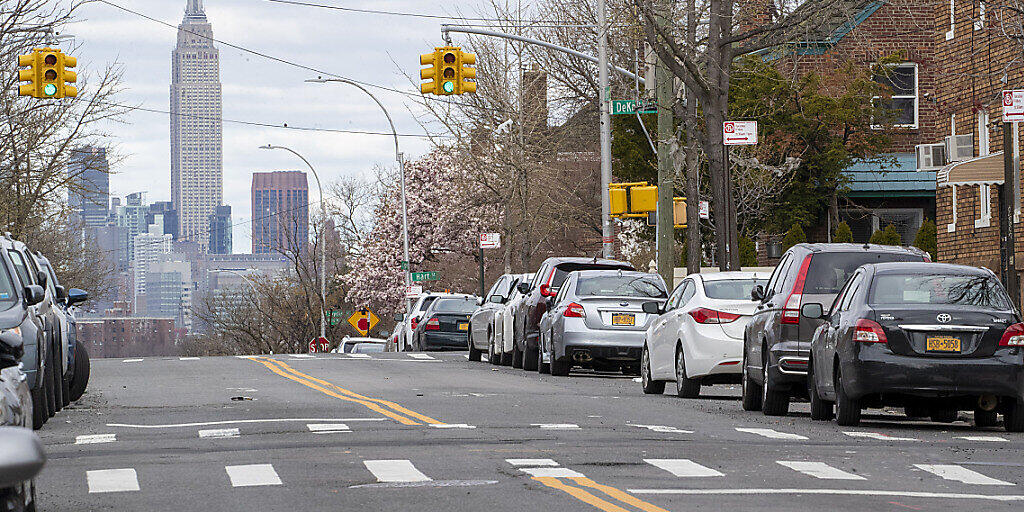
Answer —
961 290
562 272
731 289
621 286
8 298
830 270
368 348
455 306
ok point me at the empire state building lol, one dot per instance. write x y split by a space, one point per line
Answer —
197 184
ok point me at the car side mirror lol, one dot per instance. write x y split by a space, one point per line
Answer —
523 288
546 291
757 293
497 299
23 456
399 317
62 293
34 294
651 308
76 295
813 311
42 277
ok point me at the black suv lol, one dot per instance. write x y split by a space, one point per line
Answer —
777 341
548 279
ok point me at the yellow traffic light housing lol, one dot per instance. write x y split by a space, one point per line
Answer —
466 72
69 77
679 212
46 74
618 201
30 75
447 71
429 73
643 199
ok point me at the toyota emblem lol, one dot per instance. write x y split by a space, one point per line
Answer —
944 318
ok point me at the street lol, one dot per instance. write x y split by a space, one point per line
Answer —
410 431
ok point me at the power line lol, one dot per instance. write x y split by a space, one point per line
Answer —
389 13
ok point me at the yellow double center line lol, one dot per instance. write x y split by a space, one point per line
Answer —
592 499
385 407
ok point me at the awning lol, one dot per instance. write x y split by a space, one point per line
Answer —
983 170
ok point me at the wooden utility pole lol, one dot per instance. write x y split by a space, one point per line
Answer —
666 172
1007 200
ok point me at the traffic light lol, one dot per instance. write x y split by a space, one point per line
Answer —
30 75
465 71
447 71
46 74
429 73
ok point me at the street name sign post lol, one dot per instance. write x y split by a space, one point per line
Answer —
633 107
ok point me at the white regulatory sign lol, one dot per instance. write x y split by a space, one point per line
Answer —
412 291
490 240
1013 106
739 133
705 210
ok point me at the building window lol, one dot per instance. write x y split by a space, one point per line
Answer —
901 79
952 20
984 207
983 134
980 22
951 227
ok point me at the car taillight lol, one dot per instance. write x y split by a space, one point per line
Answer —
433 325
1013 336
413 323
868 331
791 311
710 316
574 310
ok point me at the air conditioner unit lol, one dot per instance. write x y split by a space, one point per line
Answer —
931 157
959 147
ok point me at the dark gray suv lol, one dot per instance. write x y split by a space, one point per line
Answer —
777 340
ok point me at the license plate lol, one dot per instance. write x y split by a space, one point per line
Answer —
942 344
463 327
623 319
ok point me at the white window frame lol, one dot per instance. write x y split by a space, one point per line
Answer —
915 96
980 22
951 227
983 133
952 20
984 219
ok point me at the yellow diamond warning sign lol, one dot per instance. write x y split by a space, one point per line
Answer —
363 320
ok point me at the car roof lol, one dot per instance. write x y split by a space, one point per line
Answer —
595 261
601 272
930 268
733 274
364 340
837 247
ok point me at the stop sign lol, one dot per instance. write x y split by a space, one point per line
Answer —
363 324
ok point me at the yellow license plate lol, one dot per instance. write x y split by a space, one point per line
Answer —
623 319
463 327
942 344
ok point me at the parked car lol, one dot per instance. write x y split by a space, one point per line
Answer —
697 339
596 321
367 348
21 459
503 337
481 322
545 285
348 344
777 340
21 315
16 493
933 338
445 323
415 315
67 332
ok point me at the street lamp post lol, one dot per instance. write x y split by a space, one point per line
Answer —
323 240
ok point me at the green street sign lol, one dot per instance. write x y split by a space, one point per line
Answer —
631 107
419 277
404 265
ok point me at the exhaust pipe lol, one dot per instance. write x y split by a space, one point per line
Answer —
988 402
582 356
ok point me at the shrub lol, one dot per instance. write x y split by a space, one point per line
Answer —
794 236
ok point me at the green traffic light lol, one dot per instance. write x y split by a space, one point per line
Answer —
449 87
49 89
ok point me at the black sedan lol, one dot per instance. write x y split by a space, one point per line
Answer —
935 339
445 324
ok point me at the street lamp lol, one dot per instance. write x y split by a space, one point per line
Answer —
323 240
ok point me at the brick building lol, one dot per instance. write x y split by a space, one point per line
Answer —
129 337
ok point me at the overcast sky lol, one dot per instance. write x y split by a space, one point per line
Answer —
368 47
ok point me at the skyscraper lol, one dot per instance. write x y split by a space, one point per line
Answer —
197 185
89 193
280 212
220 231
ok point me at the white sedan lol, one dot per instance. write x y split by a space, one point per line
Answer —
698 337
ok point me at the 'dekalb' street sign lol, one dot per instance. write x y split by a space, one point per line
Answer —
631 107
418 277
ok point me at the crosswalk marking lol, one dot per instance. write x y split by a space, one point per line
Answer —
769 433
420 356
683 467
395 471
219 433
819 470
112 480
327 428
252 475
188 359
359 356
879 436
556 426
531 462
552 472
453 425
959 474
96 439
996 439
663 429
132 361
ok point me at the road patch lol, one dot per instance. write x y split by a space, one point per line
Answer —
252 475
112 480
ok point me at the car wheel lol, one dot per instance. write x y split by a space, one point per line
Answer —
80 379
751 391
58 383
542 367
1013 417
649 385
530 359
773 401
847 409
517 357
558 368
38 408
685 387
944 415
983 419
506 359
821 409
51 407
913 411
474 353
65 390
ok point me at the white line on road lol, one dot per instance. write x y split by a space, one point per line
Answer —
359 356
996 439
132 361
395 471
219 433
773 434
879 436
552 472
531 462
452 425
232 422
557 426
328 428
188 359
112 480
252 475
663 429
302 356
819 470
959 474
683 467
839 492
420 356
96 439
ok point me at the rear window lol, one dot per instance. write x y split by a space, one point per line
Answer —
562 272
829 271
961 290
427 301
731 289
621 286
455 306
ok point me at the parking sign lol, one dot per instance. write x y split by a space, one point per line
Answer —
1013 106
739 133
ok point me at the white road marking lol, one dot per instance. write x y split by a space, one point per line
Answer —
188 359
420 356
466 356
664 429
359 356
252 475
557 426
773 434
996 439
112 480
819 470
531 462
452 425
395 471
302 356
683 467
96 439
637 379
880 437
232 422
219 433
959 474
247 357
838 492
552 472
328 428
132 361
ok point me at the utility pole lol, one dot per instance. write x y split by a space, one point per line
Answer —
1007 201
666 172
694 251
606 128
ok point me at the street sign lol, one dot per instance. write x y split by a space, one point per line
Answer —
1013 106
412 291
319 345
631 107
335 317
740 133
404 265
418 277
490 240
363 321
705 210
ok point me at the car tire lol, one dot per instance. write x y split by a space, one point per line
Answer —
542 367
530 359
492 356
51 407
915 411
751 391
944 415
773 401
66 389
506 359
847 409
1013 417
38 408
558 368
80 379
58 383
647 383
821 409
985 419
517 357
474 354
685 387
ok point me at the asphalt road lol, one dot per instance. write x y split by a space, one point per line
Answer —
415 432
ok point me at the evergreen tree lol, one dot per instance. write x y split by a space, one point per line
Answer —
748 252
926 239
794 236
843 233
887 236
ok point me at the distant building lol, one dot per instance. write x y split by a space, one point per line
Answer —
170 217
132 217
169 289
280 212
149 247
220 231
123 336
89 193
